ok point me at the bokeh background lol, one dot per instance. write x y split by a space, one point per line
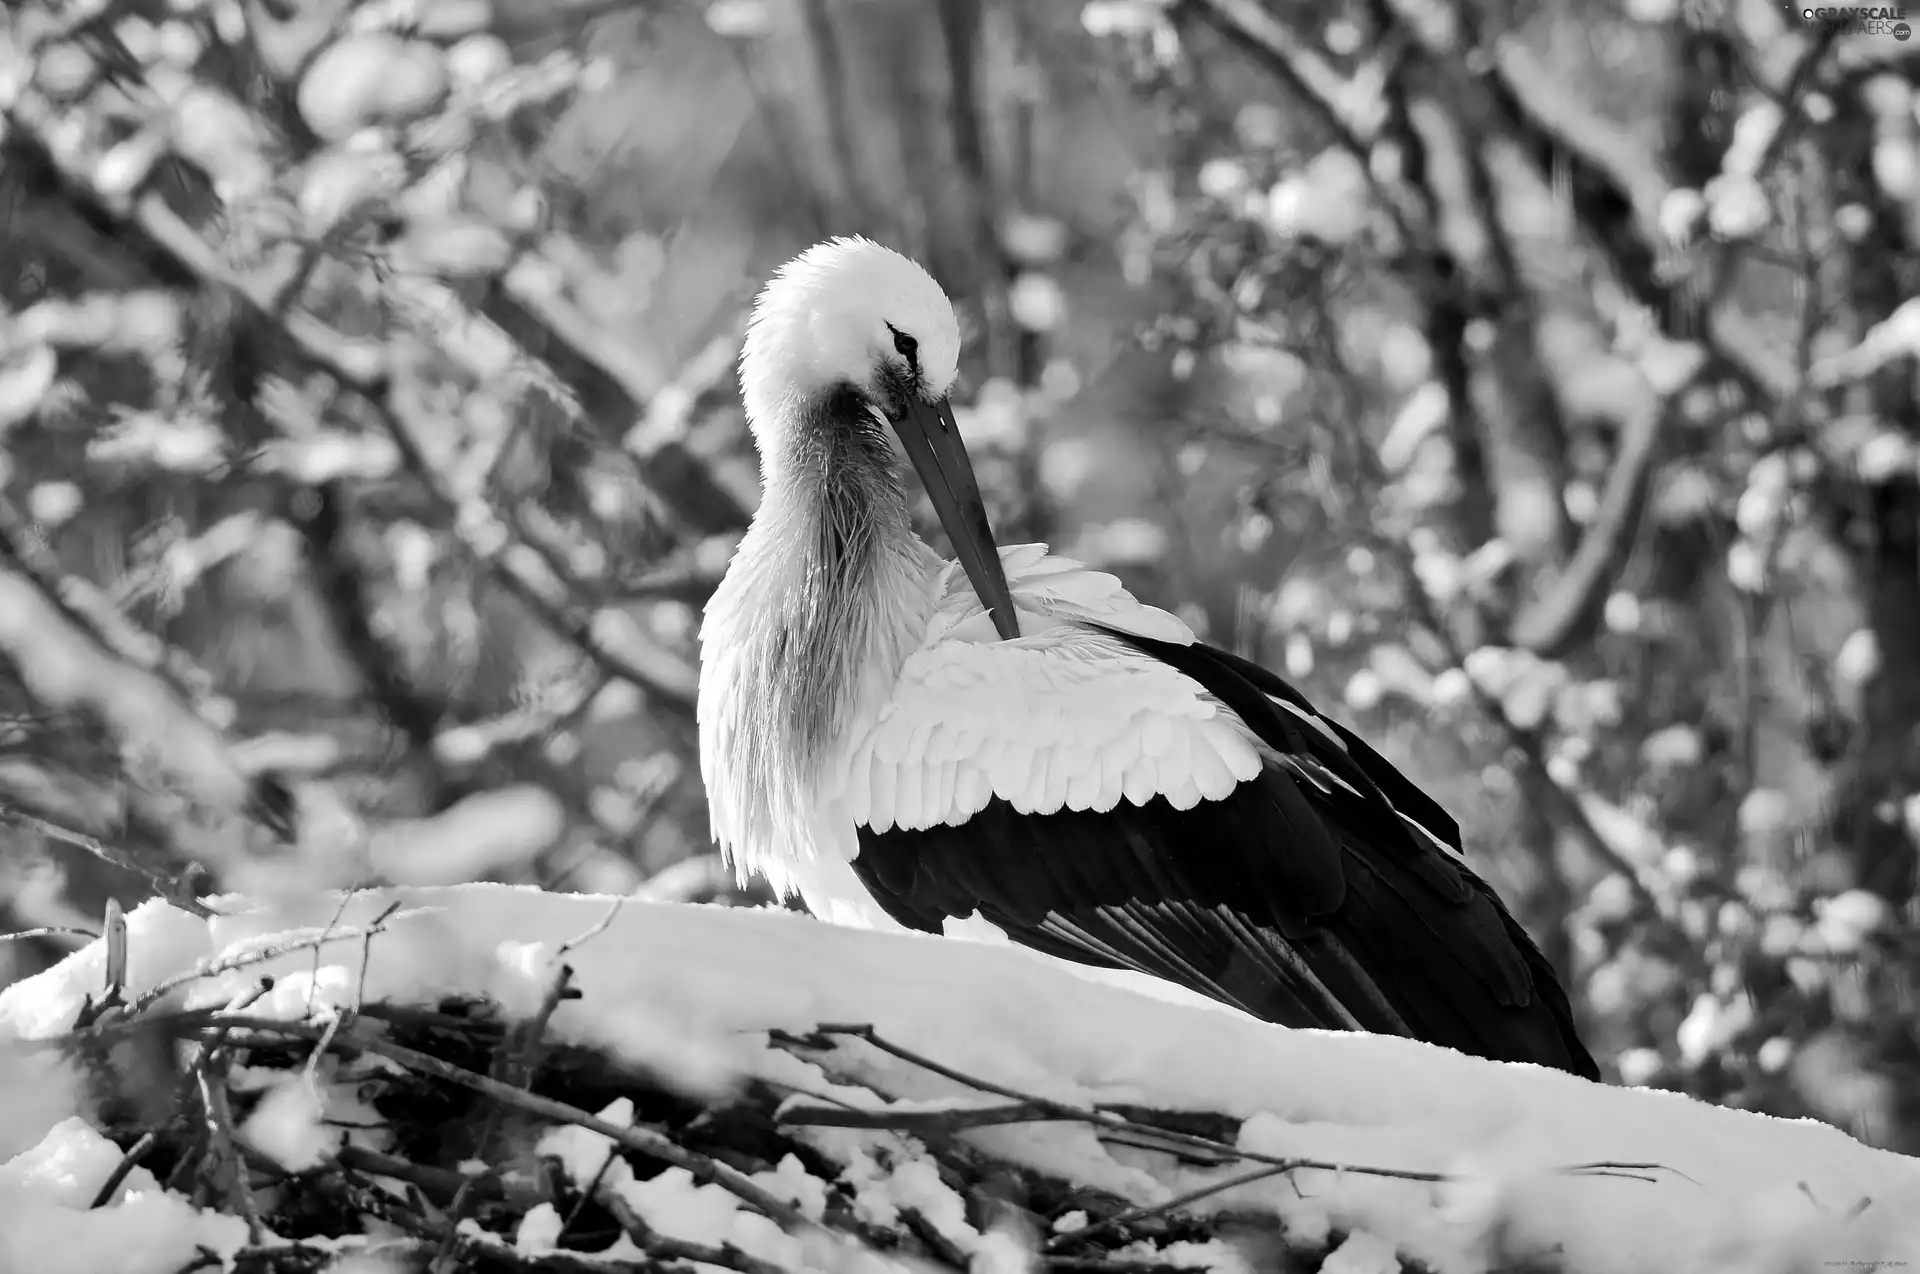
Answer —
1532 383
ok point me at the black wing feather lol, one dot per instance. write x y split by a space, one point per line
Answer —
1300 901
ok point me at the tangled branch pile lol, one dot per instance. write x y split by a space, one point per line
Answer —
472 1143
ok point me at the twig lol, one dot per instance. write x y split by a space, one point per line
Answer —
121 1171
86 1034
387 913
592 1191
173 889
1174 1204
48 931
259 955
519 1064
205 1058
917 1122
313 973
595 929
820 1114
222 1149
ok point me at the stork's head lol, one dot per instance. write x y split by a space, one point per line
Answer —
846 312
847 340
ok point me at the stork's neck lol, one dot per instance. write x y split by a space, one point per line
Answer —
831 589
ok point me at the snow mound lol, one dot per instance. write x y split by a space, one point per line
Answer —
692 992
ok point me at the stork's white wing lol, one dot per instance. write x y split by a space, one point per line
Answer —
1065 717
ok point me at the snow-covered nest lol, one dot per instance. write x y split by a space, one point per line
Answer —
338 1111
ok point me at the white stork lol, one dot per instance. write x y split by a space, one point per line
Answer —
1013 735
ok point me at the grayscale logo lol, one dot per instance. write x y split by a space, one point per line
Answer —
1855 19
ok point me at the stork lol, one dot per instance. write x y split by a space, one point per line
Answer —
1013 736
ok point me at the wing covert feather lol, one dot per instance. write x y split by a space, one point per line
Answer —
1066 717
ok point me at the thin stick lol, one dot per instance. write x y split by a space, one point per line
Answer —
1174 1204
49 931
595 929
339 910
917 1122
173 889
954 1119
589 1194
366 951
225 1153
121 1171
261 955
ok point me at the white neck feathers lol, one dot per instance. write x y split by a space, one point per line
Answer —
827 595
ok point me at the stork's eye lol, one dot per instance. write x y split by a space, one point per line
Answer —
909 347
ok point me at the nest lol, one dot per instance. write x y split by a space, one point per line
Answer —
463 1100
452 1137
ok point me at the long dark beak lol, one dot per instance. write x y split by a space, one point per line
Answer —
932 442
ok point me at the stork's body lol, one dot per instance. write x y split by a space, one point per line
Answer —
1014 735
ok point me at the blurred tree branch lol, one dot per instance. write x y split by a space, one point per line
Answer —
609 394
323 524
1679 312
361 368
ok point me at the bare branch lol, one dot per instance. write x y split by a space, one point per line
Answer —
1341 104
611 392
176 890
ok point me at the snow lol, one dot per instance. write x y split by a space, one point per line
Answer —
1362 1254
539 1229
286 1126
694 989
47 1226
